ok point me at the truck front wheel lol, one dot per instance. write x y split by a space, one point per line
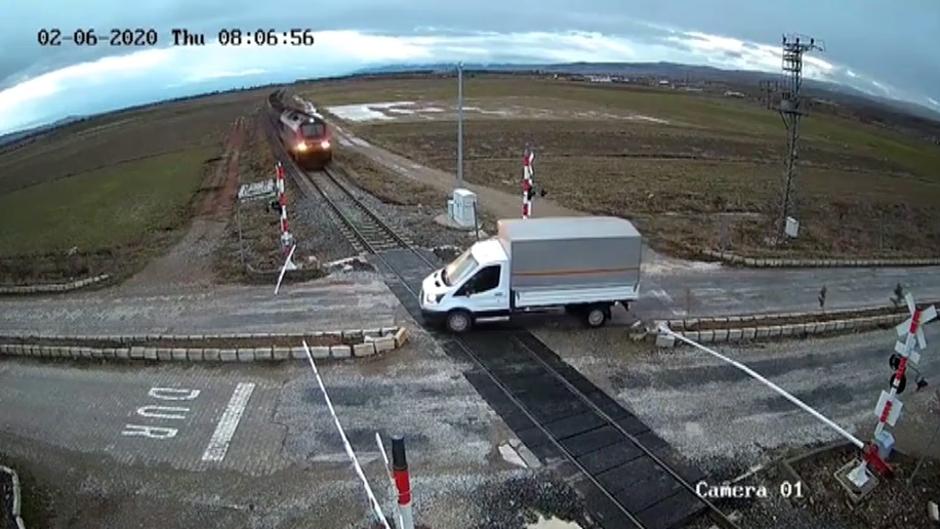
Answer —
458 321
596 316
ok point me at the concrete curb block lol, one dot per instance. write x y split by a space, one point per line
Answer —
376 341
743 334
16 508
52 287
735 259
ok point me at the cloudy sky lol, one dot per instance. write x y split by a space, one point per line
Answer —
883 48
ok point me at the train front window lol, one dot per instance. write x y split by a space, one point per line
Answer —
312 130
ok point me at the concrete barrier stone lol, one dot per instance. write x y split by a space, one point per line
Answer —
333 335
762 332
340 351
787 330
179 354
363 349
388 330
401 336
281 353
228 355
107 352
194 355
263 353
246 354
320 351
735 335
150 353
211 355
164 354
375 333
775 331
352 334
385 343
691 335
721 335
665 341
706 336
299 353
137 352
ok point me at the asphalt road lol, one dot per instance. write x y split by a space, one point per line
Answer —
342 301
726 421
130 447
672 288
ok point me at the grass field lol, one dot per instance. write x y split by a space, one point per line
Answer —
107 194
113 206
717 161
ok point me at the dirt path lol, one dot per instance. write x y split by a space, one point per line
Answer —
189 261
497 203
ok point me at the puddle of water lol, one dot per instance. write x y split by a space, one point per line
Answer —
552 523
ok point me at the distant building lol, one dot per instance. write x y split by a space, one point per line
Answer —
599 78
664 82
733 93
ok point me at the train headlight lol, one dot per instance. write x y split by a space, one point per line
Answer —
301 147
325 144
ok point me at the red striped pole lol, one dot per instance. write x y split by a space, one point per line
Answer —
286 237
527 174
402 483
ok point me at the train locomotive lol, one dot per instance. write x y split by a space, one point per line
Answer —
307 139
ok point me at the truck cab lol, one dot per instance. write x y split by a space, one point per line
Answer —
473 287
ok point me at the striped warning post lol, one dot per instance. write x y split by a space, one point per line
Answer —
402 482
527 184
286 237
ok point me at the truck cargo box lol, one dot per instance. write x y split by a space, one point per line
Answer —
567 260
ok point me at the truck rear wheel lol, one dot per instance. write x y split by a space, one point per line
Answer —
458 321
596 316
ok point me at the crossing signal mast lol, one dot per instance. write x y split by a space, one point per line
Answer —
790 108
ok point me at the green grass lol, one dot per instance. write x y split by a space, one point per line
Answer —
103 208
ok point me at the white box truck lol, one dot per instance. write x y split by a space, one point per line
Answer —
583 264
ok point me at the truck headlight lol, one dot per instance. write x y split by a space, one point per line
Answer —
431 299
325 144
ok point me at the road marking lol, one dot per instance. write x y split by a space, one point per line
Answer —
153 432
163 412
225 430
173 393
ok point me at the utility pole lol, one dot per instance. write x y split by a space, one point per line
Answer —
794 46
459 124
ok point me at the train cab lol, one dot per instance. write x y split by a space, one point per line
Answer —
307 139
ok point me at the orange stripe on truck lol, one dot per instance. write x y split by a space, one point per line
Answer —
577 272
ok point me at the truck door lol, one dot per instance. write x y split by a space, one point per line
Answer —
485 292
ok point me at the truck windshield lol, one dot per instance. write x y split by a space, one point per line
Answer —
458 269
311 130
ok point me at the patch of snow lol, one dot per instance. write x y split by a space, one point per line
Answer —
639 117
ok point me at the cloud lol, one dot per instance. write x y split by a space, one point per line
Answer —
148 75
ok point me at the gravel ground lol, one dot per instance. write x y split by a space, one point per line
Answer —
895 503
315 227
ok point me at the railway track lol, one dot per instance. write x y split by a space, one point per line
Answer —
629 477
364 229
